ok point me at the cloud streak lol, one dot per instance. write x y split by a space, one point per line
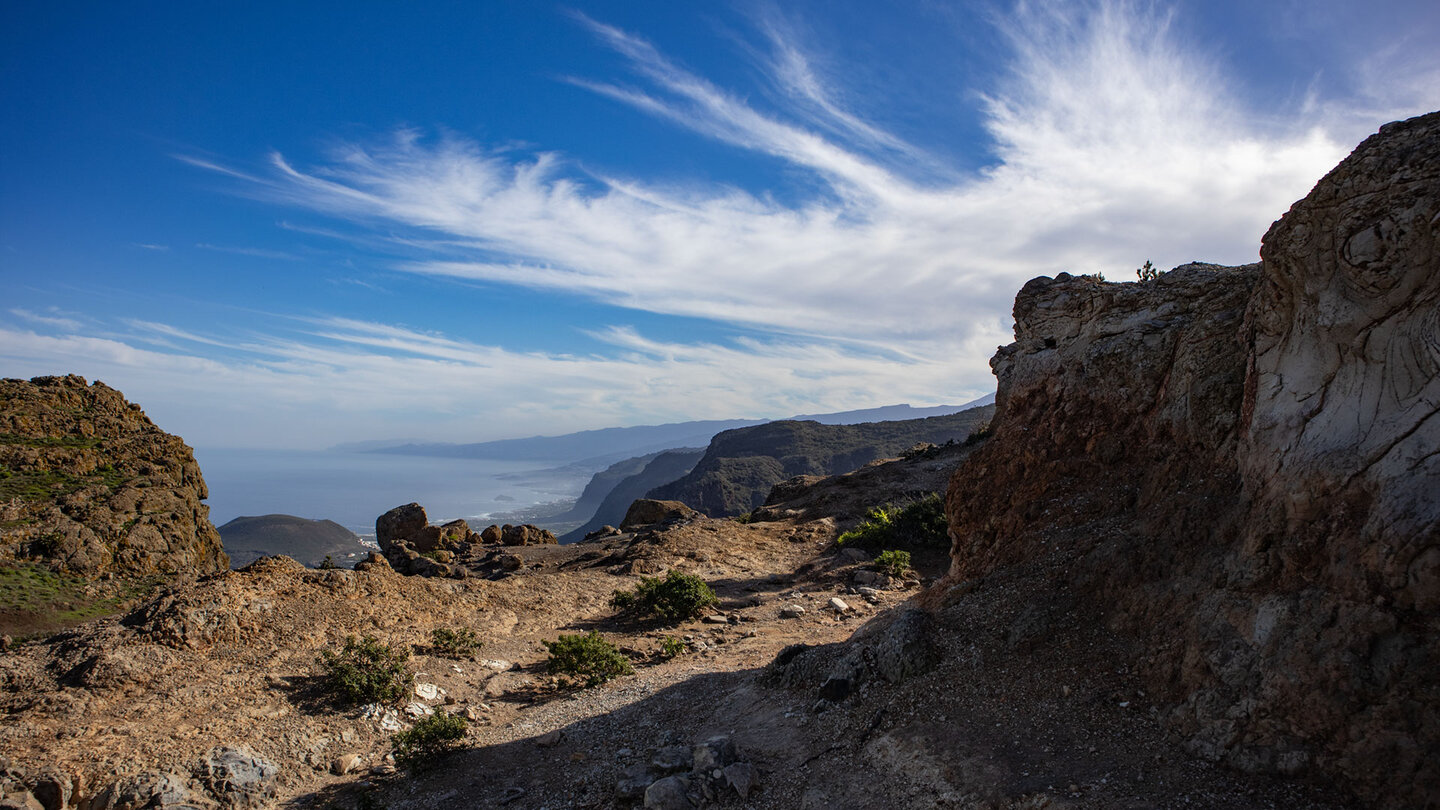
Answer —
1112 140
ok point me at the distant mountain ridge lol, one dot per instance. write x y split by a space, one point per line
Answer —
607 445
741 466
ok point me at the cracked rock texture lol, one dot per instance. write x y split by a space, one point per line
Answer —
1240 466
89 485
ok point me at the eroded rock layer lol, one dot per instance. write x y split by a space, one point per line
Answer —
88 484
1240 466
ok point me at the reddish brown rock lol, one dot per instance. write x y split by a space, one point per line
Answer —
1240 466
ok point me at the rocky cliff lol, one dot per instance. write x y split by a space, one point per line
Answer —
1239 467
89 485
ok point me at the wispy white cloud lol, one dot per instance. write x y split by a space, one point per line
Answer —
156 248
1116 142
54 319
258 253
362 375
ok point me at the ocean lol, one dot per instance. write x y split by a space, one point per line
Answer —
353 489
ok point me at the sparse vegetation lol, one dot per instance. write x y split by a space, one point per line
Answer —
745 518
419 746
328 564
367 671
920 524
671 646
675 598
460 643
43 485
35 599
893 562
1148 272
588 658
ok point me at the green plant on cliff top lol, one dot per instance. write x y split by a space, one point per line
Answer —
919 524
675 598
367 671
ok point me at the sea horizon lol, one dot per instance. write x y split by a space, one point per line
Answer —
353 489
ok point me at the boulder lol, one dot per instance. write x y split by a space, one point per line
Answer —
645 512
239 778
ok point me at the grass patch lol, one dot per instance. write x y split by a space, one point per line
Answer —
44 485
50 441
35 601
588 658
920 524
675 598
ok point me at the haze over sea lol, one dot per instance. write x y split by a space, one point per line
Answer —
353 489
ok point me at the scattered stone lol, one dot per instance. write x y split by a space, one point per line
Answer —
510 562
633 782
716 752
742 777
417 710
511 794
716 619
550 739
668 794
239 777
875 579
792 612
672 758
497 665
428 691
855 555
346 764
52 790
838 605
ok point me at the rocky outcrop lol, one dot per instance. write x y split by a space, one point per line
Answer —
412 546
89 485
740 466
1239 466
646 512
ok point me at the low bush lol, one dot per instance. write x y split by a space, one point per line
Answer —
367 671
893 562
588 658
460 643
418 746
676 597
671 647
919 524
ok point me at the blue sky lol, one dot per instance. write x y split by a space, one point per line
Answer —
295 224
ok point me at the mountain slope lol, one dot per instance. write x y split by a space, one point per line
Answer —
661 468
740 466
307 541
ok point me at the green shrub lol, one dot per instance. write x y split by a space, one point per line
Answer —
675 598
328 564
893 562
671 647
367 671
460 643
418 746
1148 272
921 524
588 657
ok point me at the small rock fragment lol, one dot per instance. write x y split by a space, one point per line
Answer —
551 739
742 777
838 605
668 794
792 612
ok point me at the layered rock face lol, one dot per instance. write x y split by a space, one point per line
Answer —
1241 466
89 485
